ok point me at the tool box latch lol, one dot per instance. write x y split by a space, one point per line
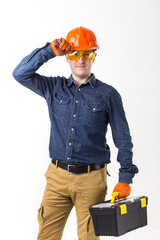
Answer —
123 209
143 202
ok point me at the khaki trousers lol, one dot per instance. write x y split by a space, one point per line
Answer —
63 191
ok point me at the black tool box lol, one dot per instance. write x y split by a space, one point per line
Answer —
120 217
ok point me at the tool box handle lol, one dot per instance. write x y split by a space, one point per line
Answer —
114 195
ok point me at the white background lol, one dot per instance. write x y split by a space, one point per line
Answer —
128 33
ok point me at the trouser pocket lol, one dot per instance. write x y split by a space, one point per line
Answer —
104 177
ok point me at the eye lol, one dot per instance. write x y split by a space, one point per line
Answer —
86 53
75 53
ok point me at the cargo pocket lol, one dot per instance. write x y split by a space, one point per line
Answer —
41 215
88 224
90 230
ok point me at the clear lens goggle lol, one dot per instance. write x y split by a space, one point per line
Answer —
86 55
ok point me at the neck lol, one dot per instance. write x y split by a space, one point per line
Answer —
79 80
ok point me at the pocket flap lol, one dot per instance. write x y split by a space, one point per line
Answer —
95 107
61 98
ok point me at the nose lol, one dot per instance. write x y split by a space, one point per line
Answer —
81 59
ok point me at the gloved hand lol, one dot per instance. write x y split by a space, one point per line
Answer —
124 190
60 46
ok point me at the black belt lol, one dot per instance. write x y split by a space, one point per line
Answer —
77 168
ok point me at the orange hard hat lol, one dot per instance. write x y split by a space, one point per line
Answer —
82 39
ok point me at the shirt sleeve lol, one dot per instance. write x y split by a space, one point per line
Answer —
25 74
121 137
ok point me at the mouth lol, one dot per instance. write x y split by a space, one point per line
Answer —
81 66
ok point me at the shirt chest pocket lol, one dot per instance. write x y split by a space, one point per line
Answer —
95 114
60 105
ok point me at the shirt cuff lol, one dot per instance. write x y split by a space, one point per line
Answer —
48 52
126 177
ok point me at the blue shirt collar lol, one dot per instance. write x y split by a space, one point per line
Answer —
91 80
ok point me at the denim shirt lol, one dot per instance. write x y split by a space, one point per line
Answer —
80 116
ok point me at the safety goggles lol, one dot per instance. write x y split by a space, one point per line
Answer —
86 55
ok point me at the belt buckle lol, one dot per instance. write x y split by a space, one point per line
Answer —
68 168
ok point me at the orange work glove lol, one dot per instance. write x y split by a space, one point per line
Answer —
124 190
60 46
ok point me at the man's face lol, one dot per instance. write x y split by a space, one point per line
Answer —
80 68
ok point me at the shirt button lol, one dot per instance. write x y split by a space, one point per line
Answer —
94 109
76 101
69 143
61 101
79 89
72 129
68 158
74 115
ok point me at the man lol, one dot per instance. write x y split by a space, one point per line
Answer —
80 109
